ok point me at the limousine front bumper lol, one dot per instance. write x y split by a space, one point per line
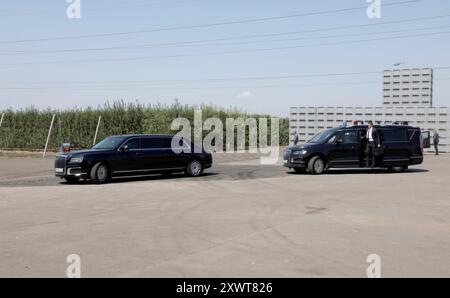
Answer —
70 172
64 169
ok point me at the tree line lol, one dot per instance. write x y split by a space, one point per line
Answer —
27 129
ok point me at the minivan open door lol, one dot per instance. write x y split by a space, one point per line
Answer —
426 139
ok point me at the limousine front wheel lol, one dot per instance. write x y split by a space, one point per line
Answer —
99 173
194 168
316 165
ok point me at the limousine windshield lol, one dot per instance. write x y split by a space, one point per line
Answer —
109 143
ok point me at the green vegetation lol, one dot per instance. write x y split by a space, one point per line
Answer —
27 129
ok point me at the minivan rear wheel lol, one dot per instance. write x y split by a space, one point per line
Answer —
316 165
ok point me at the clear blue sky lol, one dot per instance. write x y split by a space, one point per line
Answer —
30 76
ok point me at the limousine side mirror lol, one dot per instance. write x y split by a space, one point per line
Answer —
124 148
339 141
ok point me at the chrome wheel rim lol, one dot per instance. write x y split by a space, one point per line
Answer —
318 166
195 168
397 169
101 173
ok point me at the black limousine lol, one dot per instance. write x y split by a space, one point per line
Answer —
343 147
132 155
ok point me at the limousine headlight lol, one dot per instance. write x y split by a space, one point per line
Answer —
76 160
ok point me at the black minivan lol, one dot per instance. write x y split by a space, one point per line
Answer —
343 147
133 155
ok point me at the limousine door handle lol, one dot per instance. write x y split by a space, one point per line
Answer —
139 153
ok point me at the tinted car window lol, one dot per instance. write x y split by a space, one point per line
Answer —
179 143
412 133
322 136
168 143
332 139
349 137
362 133
132 144
153 143
394 135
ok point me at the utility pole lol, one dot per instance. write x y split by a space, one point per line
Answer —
96 130
48 136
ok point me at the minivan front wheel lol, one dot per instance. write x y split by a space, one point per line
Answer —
397 169
99 173
194 168
316 165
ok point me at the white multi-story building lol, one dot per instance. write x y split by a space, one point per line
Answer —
308 121
408 87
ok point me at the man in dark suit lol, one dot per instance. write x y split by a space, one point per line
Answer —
373 142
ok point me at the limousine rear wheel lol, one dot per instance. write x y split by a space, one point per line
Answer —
316 165
99 173
194 168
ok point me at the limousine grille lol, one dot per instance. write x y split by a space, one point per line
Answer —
60 162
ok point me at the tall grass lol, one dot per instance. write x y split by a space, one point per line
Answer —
27 129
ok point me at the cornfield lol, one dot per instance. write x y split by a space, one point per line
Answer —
27 129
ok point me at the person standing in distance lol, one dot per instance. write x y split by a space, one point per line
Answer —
296 138
436 141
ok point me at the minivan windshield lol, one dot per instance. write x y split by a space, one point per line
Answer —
109 143
322 136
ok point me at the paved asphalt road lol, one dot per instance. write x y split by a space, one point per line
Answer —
40 173
240 219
